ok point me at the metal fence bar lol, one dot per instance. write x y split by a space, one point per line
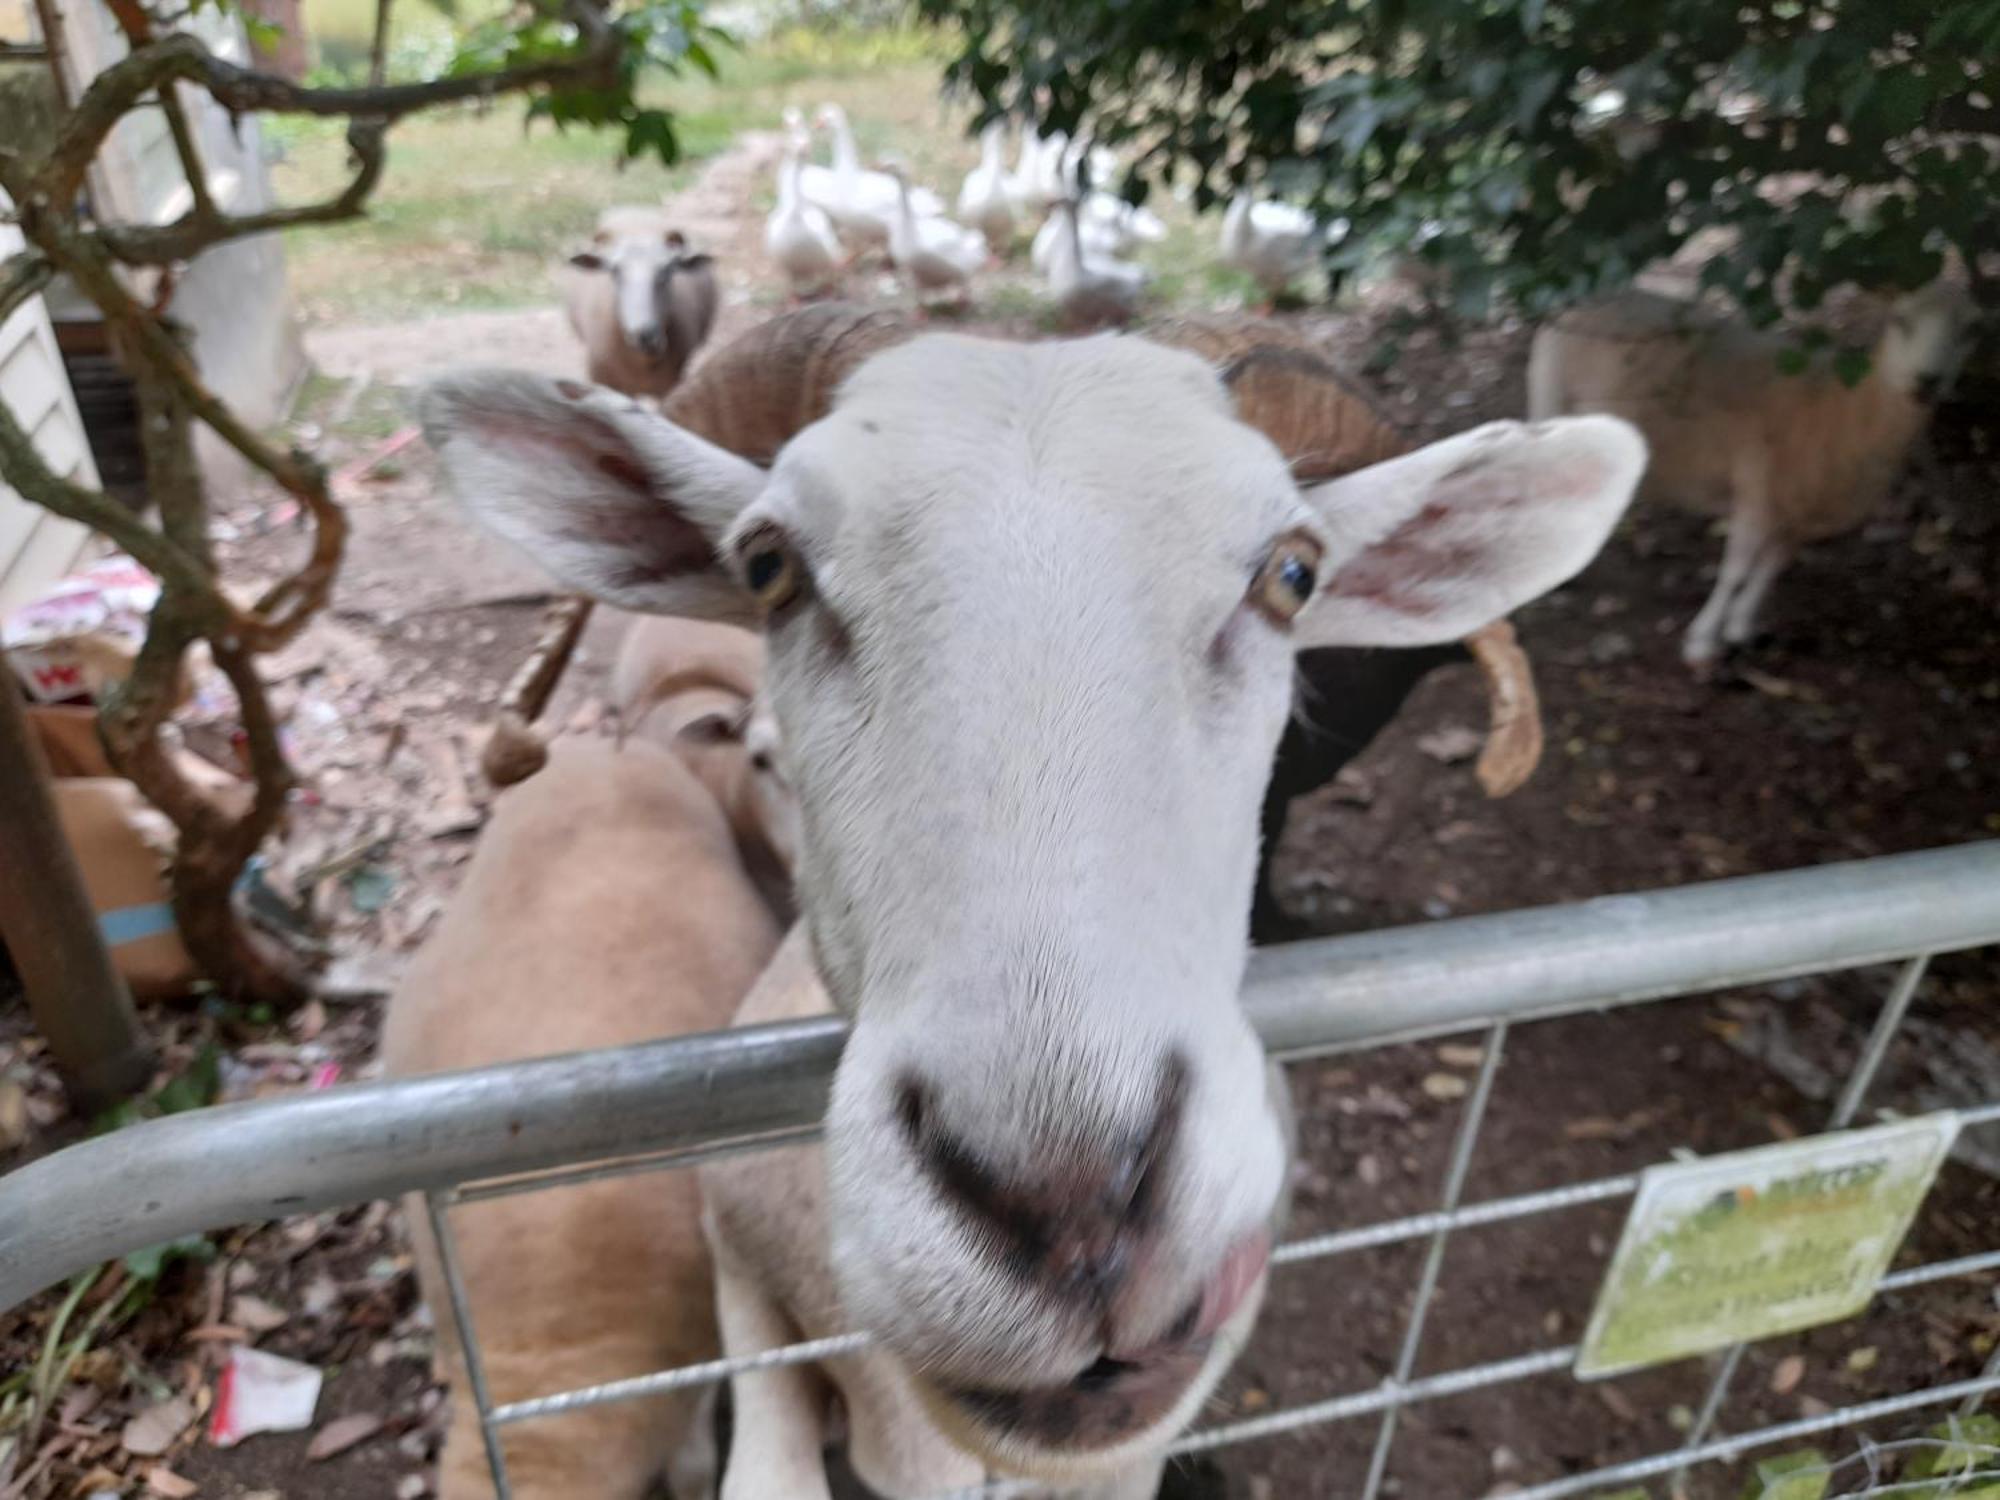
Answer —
1525 1366
1781 1432
246 1163
659 1161
1991 1372
1469 1127
717 1370
710 1372
468 1337
1494 1211
1862 1076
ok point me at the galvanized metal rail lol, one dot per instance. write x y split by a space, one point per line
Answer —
524 1127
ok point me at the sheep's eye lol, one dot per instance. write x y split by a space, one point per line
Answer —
1285 583
771 570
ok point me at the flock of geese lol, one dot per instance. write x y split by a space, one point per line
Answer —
830 214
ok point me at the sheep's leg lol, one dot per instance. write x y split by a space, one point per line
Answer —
1750 532
1741 625
776 1448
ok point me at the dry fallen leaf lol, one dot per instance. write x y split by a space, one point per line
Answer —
255 1314
343 1433
1863 1359
1452 744
152 1431
14 1123
165 1482
1445 1086
412 1487
1788 1373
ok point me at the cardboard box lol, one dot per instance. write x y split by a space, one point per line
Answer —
122 843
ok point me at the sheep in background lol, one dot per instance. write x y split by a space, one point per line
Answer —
641 302
610 882
693 687
1789 459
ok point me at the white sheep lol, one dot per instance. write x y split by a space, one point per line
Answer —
641 302
693 687
1032 611
609 882
1789 459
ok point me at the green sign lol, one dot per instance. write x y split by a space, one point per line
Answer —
1757 1243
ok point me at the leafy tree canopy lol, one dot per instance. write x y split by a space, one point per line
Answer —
1543 149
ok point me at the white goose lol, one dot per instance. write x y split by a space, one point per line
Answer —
1107 225
1089 289
1273 243
797 235
983 201
934 254
861 204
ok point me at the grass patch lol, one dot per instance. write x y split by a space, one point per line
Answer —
475 212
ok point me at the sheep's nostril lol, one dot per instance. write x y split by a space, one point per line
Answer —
1102 1372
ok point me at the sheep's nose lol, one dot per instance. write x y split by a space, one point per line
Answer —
1076 1221
653 343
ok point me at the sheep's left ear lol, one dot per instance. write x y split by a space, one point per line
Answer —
1431 546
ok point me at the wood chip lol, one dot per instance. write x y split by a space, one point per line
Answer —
1787 1374
1445 1086
217 1333
152 1431
165 1482
257 1315
343 1433
1461 1055
1452 744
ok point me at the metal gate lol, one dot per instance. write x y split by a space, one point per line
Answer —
528 1126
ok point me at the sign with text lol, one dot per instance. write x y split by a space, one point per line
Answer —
1757 1243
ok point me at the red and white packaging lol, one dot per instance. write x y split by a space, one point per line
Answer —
83 634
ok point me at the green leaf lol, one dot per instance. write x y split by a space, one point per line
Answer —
149 1264
1792 1476
1851 366
195 1087
1966 1444
263 34
370 887
1792 360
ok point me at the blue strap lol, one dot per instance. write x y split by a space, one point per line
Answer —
128 924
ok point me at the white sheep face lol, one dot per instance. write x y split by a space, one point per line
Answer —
642 268
1031 628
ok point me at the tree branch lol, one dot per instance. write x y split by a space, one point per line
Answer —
196 231
378 53
21 277
245 91
185 148
22 467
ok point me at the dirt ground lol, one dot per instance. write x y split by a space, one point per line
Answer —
1868 722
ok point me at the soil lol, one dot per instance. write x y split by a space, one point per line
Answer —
1867 722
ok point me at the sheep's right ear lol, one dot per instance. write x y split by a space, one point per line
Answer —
609 498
